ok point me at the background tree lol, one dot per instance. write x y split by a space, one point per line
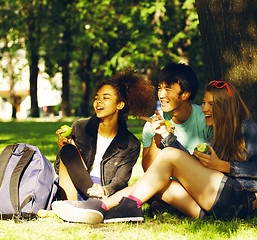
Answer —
25 19
11 44
87 41
31 22
229 34
11 75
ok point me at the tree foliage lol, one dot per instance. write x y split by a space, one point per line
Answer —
87 41
26 22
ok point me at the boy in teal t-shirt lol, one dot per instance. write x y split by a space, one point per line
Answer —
177 87
190 133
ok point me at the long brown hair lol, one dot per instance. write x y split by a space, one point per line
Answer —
229 112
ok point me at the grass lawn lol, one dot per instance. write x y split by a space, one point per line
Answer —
167 225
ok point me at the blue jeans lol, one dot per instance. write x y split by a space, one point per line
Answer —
232 201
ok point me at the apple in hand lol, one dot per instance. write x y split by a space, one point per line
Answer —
202 147
67 130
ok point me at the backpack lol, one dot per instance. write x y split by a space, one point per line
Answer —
26 182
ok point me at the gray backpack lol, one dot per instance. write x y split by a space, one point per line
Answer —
26 182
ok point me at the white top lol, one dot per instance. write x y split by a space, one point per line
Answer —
101 147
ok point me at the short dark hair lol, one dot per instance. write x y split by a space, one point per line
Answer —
182 74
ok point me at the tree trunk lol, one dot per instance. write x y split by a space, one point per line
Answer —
229 34
86 96
33 69
32 45
65 106
11 80
84 73
84 106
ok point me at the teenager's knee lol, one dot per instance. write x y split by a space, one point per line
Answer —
170 155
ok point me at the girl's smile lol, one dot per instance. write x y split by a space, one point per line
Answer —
105 103
207 108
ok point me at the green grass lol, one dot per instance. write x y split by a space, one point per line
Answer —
167 225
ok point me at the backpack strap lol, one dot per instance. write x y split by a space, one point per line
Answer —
15 178
4 159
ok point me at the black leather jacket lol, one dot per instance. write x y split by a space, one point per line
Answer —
119 158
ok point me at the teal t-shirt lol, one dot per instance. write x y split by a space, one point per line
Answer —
189 133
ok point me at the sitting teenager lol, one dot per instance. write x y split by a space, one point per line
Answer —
177 88
221 184
108 149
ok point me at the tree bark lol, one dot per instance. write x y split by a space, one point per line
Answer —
33 69
11 80
85 87
229 35
65 106
32 46
85 73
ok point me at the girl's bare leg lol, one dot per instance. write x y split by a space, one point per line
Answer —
201 183
114 199
66 185
176 196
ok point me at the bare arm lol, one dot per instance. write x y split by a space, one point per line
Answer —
150 153
161 130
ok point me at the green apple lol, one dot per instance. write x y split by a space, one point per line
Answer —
202 147
167 122
45 213
67 130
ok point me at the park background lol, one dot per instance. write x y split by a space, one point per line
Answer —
52 53
74 44
55 51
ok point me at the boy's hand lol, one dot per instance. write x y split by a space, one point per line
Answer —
158 125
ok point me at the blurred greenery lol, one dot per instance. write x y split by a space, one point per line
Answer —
87 41
40 134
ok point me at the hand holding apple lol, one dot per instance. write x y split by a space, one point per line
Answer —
202 147
167 122
170 126
64 136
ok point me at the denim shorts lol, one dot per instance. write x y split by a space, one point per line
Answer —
80 196
232 201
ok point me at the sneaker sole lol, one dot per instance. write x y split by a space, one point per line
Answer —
127 219
70 213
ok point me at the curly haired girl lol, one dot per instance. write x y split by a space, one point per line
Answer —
107 148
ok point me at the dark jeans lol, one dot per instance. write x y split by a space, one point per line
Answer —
232 201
